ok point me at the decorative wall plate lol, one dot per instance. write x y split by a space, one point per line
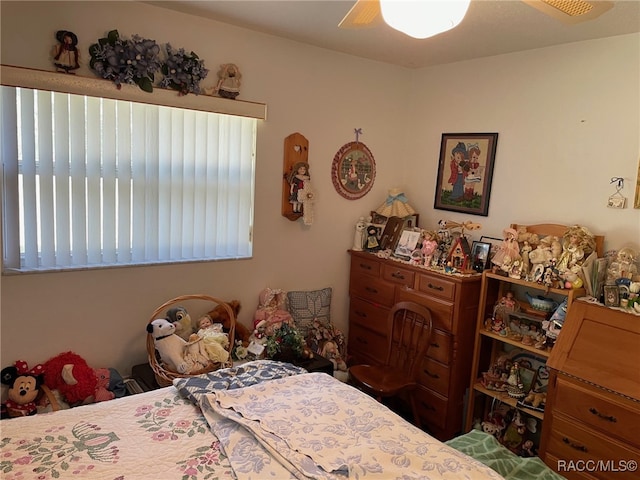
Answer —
353 170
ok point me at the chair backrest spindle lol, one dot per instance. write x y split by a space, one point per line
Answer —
409 327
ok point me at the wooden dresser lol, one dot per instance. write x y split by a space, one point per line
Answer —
375 285
592 415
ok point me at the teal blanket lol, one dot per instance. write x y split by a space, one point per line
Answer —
486 449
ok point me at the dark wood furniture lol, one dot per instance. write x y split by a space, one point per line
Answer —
375 285
592 417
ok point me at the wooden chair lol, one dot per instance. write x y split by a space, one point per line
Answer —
409 326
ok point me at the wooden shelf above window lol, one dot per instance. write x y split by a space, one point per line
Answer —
98 87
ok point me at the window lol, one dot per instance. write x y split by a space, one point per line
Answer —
95 182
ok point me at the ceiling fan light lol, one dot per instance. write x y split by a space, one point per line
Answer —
423 18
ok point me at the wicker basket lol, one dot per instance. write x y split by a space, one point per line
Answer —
192 303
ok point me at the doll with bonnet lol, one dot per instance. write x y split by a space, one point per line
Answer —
271 312
509 250
228 81
577 244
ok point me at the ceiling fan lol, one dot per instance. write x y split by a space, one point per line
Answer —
368 13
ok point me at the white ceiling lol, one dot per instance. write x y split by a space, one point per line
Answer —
491 27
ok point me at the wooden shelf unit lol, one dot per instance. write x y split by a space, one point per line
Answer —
489 345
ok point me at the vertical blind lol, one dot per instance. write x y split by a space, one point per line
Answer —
91 182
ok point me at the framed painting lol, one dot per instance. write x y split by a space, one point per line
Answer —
465 171
407 244
353 170
411 221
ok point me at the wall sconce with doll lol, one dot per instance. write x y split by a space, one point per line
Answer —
298 196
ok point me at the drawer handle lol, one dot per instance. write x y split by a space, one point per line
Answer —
575 446
365 266
362 340
398 275
371 290
434 345
360 314
432 375
435 287
609 418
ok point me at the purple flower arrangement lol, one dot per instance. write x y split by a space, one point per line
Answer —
137 60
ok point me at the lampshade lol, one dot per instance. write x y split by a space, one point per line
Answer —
396 205
423 18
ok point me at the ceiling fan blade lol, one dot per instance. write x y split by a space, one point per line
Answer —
365 13
571 11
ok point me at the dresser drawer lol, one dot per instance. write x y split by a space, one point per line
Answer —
440 346
368 315
441 311
365 343
437 286
435 376
367 266
613 415
398 275
372 288
572 442
432 407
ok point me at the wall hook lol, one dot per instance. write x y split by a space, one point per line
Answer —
358 132
619 181
617 200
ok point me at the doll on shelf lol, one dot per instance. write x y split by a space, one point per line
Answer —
297 182
271 313
504 306
66 57
623 266
429 245
577 244
509 250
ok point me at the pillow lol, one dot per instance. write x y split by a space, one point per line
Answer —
307 306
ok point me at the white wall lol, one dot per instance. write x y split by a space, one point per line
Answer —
568 120
550 166
102 315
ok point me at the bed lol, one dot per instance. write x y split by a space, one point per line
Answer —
260 420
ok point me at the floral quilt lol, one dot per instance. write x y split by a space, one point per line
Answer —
313 426
154 435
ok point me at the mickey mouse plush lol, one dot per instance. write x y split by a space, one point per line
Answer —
24 387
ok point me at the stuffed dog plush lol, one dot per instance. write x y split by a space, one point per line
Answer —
169 345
